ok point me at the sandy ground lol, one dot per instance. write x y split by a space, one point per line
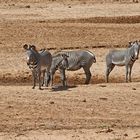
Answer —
104 111
53 11
96 111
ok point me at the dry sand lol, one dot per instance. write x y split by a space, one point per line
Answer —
80 112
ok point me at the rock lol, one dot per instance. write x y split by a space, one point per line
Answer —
102 85
133 88
84 100
27 6
109 130
51 102
103 98
125 134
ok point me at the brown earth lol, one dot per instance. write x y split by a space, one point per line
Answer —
96 111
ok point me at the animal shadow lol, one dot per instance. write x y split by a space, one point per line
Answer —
62 88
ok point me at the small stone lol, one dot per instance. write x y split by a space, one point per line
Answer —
125 135
109 130
51 102
103 98
10 106
102 85
27 6
84 100
42 21
133 88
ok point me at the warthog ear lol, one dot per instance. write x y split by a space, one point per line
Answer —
25 47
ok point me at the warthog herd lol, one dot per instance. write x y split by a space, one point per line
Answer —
43 62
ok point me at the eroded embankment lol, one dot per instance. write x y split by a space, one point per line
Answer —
73 79
113 20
